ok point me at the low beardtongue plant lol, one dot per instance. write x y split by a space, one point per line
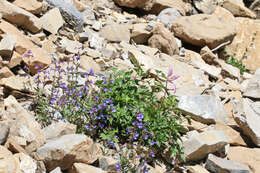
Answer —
121 108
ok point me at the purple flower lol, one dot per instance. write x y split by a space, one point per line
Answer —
140 116
170 72
91 72
118 167
171 78
87 127
105 105
146 137
110 143
113 110
91 112
136 135
52 100
152 153
140 125
105 89
77 106
99 107
37 66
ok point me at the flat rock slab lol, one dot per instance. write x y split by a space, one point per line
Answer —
66 150
247 116
116 32
203 30
253 88
216 164
203 108
197 147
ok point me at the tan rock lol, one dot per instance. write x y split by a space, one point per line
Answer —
180 5
15 60
195 125
224 14
58 129
116 32
82 168
8 163
246 43
255 7
50 23
23 45
27 164
139 33
66 150
32 6
197 169
203 29
233 136
144 4
5 72
79 5
229 70
6 46
19 16
164 40
88 63
248 156
253 87
24 125
238 9
17 83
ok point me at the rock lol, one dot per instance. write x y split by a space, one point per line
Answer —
139 33
115 32
192 81
248 119
229 70
5 72
237 9
23 45
69 46
79 5
95 41
50 23
198 62
58 129
203 108
255 7
216 164
4 131
168 16
195 125
197 169
163 39
181 6
108 164
15 60
23 127
33 6
82 168
66 150
204 6
233 136
17 83
70 13
88 63
208 56
203 30
224 14
20 17
253 87
248 156
199 146
6 46
144 4
27 164
57 170
246 43
8 163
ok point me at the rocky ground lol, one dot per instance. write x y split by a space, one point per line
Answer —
194 37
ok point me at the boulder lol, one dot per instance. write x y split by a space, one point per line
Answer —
248 156
23 45
253 87
8 163
82 168
215 164
144 4
70 13
238 9
168 16
203 108
204 6
27 164
116 32
50 23
198 146
246 43
66 150
20 17
163 40
5 72
203 30
33 6
139 33
58 129
248 118
183 7
6 46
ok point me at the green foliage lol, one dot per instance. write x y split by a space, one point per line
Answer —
236 63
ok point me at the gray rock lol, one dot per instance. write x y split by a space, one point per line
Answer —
197 147
58 129
70 13
203 108
95 41
116 32
247 116
204 6
253 88
168 16
4 131
215 165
